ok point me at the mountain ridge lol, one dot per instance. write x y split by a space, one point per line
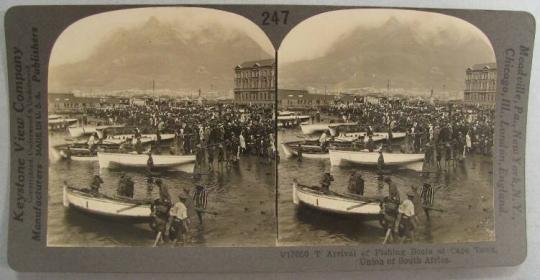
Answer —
394 51
133 57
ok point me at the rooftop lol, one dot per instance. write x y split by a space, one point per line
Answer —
258 63
481 66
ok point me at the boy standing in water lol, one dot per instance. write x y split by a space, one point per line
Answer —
178 220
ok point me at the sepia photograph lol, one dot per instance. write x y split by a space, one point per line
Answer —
161 131
385 130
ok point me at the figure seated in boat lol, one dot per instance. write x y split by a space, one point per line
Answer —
356 184
126 186
370 144
96 184
326 180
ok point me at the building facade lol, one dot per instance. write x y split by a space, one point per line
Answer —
254 82
69 103
59 103
481 84
302 99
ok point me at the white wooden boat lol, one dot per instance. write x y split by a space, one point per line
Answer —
364 158
335 129
334 202
145 138
58 122
319 127
78 157
78 131
102 205
310 149
292 116
377 136
176 162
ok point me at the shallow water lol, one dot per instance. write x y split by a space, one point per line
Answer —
467 198
244 200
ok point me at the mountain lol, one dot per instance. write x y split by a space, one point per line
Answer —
174 56
395 51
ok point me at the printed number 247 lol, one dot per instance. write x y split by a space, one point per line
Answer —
276 17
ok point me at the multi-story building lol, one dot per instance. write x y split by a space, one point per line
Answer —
254 82
480 84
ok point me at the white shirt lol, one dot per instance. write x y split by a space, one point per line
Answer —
406 208
179 211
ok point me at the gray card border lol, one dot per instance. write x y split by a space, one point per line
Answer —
507 30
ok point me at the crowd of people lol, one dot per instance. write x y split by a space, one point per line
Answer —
214 133
442 131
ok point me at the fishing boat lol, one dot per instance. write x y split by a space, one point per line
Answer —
145 138
287 118
78 154
57 122
366 158
334 202
102 205
319 127
311 148
176 162
377 136
79 131
121 133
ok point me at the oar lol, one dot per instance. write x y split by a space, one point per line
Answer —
158 237
388 231
356 206
130 207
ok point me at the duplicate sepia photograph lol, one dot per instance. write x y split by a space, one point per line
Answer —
161 131
386 123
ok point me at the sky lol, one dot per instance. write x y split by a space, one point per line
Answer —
310 39
79 40
314 36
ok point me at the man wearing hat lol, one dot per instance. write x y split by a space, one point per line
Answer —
163 191
406 217
178 220
393 192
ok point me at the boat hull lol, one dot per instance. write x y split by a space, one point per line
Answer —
78 158
377 136
318 127
334 203
290 152
118 160
104 206
393 160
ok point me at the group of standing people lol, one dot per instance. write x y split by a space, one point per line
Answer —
444 132
216 134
